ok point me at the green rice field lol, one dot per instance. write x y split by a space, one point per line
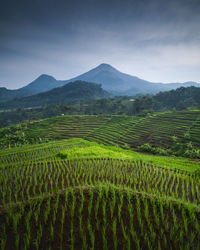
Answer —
76 194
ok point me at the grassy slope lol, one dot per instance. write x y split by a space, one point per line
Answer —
79 149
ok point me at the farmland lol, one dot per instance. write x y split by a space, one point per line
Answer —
75 194
165 133
86 185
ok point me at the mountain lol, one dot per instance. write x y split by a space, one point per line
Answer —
111 79
178 85
42 84
154 88
72 92
120 83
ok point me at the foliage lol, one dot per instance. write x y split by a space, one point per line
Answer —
147 147
192 153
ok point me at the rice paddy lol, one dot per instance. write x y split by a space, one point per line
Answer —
75 194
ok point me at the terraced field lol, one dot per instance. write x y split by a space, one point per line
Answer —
28 153
193 131
160 130
113 132
67 126
96 197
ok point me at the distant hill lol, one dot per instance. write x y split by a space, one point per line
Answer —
8 94
42 84
111 79
71 92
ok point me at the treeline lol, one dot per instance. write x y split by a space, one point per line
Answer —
179 99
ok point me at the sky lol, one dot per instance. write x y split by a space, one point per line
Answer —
156 40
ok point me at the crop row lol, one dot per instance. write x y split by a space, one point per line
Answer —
113 132
21 183
68 126
160 128
35 153
156 129
101 217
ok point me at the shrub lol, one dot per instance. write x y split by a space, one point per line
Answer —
192 153
147 147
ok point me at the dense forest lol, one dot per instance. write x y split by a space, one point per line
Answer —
179 99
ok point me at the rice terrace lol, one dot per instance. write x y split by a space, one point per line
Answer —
101 182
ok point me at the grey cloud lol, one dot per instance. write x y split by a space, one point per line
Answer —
65 38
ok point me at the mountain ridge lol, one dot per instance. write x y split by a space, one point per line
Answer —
111 79
125 83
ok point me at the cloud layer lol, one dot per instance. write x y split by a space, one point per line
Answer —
156 40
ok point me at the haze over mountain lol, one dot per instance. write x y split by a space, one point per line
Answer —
111 79
72 92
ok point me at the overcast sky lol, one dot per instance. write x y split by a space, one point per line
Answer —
155 40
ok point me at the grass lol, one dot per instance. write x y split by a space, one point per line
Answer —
92 152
